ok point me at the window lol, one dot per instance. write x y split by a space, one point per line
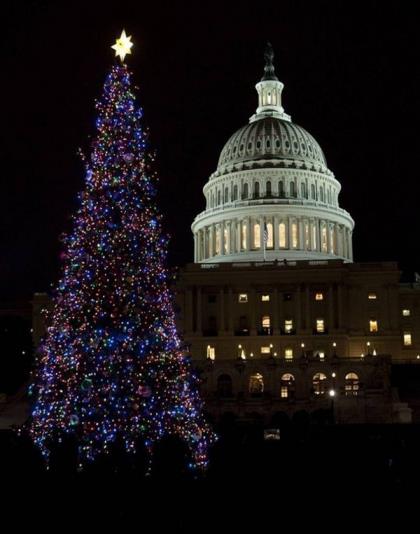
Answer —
407 339
217 248
319 383
242 298
256 384
372 296
211 352
265 298
324 246
288 353
303 189
226 195
266 322
257 189
245 191
288 326
281 189
294 235
270 240
268 189
313 191
351 384
287 388
406 313
319 296
257 235
292 189
244 235
224 386
282 235
266 350
321 354
373 325
320 326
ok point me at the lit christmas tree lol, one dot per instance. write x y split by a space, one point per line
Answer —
111 364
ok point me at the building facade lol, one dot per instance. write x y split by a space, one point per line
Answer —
275 312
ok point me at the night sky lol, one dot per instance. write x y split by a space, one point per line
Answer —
351 75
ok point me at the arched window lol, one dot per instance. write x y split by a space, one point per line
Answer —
281 189
282 235
245 193
287 387
224 386
256 384
303 189
257 235
219 197
351 386
266 325
256 189
319 383
292 189
212 200
313 191
321 194
268 189
270 239
226 195
235 192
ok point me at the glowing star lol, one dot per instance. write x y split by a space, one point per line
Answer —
123 45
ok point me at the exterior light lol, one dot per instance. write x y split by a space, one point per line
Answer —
333 375
418 356
302 345
271 345
332 393
251 354
374 352
362 355
334 344
275 354
368 343
239 346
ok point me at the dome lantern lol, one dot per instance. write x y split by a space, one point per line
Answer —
269 91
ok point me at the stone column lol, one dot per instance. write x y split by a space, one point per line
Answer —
276 232
195 248
222 238
261 234
301 233
350 246
328 227
248 234
289 233
211 241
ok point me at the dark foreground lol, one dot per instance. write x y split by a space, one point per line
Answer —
313 472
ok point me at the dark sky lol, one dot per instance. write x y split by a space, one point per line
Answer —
351 75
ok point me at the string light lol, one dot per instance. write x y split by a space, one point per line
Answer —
111 364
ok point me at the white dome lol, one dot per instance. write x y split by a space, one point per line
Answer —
272 196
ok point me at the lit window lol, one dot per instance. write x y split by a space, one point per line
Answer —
321 355
270 241
211 352
319 296
407 339
319 383
287 388
372 296
294 235
324 246
373 325
282 235
265 321
265 298
242 298
257 235
265 350
351 385
406 313
244 235
320 326
288 326
256 384
288 353
217 251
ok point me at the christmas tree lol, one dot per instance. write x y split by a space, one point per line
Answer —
111 365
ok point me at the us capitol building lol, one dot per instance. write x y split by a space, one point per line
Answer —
277 315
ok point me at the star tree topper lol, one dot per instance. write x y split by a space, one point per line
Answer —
123 45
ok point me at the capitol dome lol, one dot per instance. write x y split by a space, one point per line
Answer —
272 196
271 139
